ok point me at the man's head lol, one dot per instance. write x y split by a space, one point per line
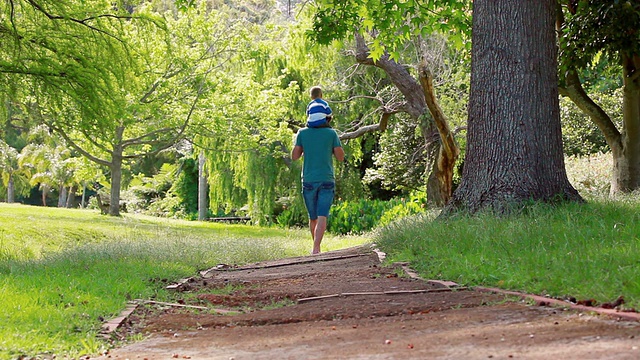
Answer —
315 92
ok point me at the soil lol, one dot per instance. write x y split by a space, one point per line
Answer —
346 305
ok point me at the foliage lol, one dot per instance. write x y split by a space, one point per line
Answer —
401 161
559 251
47 161
394 22
63 270
172 192
57 46
186 186
10 170
146 190
415 204
356 217
293 214
592 27
252 114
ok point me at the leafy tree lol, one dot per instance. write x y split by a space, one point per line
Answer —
593 32
53 44
185 187
86 174
13 178
377 46
47 161
497 171
256 104
158 74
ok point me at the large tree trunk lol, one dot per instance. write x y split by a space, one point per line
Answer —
116 173
202 188
514 143
11 190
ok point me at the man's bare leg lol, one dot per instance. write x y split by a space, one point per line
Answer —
320 227
312 228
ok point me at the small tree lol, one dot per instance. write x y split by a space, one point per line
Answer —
9 170
606 30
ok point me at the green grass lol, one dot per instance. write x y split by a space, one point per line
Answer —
62 271
583 250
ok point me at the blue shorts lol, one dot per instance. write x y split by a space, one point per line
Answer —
318 197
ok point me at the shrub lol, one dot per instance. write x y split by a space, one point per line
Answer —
355 217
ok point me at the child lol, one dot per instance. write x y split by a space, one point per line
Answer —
318 111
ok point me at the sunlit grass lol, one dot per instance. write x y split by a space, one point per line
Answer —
63 271
583 250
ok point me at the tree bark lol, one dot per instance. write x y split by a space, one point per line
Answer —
116 173
83 203
11 191
62 196
514 143
202 188
116 182
448 151
70 196
45 190
626 174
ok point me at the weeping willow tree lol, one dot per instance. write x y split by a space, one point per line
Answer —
254 110
246 153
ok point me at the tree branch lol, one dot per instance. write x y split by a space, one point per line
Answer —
576 93
167 143
381 126
446 136
82 22
140 139
72 143
399 76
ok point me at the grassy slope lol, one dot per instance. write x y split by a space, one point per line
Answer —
582 250
62 271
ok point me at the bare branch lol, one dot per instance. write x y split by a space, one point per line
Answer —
381 126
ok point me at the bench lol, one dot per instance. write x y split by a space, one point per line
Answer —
231 219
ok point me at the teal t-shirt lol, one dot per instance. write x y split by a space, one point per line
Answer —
317 149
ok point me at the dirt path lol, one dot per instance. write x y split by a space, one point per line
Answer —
344 305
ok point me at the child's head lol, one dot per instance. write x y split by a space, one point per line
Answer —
315 92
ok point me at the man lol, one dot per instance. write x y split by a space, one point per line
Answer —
318 145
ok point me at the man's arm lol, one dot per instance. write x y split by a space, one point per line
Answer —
338 152
296 153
